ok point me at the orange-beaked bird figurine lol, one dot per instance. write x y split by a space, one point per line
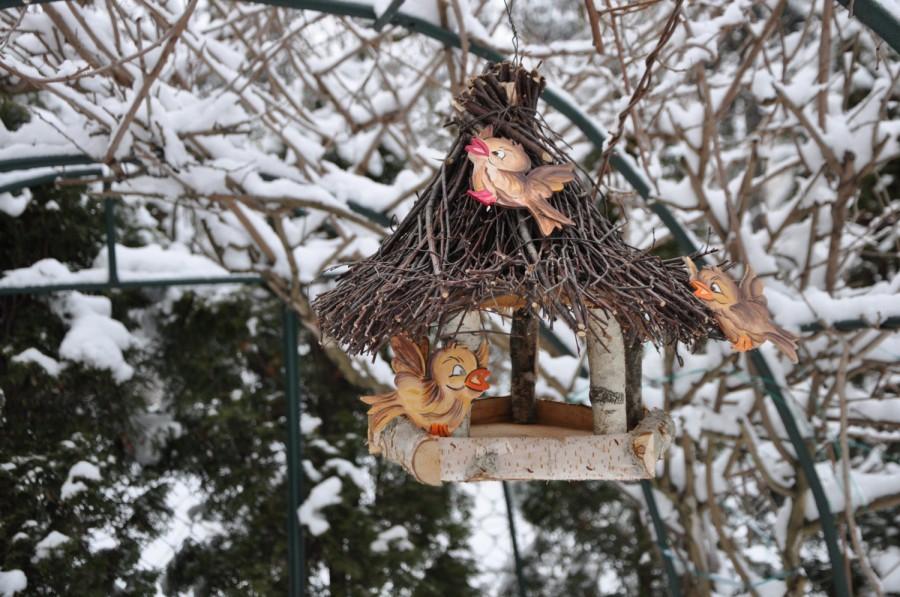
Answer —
435 392
502 174
740 310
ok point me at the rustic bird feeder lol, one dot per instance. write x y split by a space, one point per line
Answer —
466 248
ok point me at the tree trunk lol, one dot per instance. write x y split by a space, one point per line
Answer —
523 347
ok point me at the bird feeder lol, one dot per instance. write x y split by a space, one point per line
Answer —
507 226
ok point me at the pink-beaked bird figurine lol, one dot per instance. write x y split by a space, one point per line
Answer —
740 310
435 392
502 174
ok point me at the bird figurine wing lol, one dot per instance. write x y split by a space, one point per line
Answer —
410 364
409 357
752 287
509 185
750 316
414 390
543 181
482 354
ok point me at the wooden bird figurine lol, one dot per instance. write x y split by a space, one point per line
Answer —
741 311
435 392
502 174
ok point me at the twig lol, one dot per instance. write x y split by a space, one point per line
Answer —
148 81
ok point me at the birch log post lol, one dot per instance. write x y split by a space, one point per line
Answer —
606 361
523 350
410 447
651 438
466 329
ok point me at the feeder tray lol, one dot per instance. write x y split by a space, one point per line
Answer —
560 445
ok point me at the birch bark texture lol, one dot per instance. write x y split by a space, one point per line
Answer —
608 373
508 451
410 447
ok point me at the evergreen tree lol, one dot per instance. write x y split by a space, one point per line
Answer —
589 540
234 441
75 506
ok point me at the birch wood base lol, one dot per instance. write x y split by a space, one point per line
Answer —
560 446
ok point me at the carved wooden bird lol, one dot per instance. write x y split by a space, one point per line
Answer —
435 392
502 174
741 311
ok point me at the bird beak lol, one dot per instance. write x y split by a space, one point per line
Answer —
477 380
478 147
701 290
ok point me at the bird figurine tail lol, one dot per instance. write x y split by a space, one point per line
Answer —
385 408
548 217
540 185
785 341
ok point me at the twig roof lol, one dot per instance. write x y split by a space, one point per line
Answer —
452 254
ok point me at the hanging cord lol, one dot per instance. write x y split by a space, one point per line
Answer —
517 60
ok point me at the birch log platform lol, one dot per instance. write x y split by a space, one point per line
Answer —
560 445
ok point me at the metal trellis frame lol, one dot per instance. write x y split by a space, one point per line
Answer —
870 12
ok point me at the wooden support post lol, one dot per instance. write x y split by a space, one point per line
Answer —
634 356
651 438
464 328
606 360
523 348
411 448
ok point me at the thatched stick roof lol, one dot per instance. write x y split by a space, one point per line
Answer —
452 254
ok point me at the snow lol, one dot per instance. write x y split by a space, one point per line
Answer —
185 500
693 420
14 205
327 493
94 337
428 10
887 565
33 355
309 423
154 261
48 544
865 488
47 271
345 468
379 6
877 303
11 582
80 470
396 537
346 186
133 263
490 542
875 409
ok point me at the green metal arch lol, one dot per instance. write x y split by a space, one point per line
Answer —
870 12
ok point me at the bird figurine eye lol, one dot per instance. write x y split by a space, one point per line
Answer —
500 153
715 288
457 370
